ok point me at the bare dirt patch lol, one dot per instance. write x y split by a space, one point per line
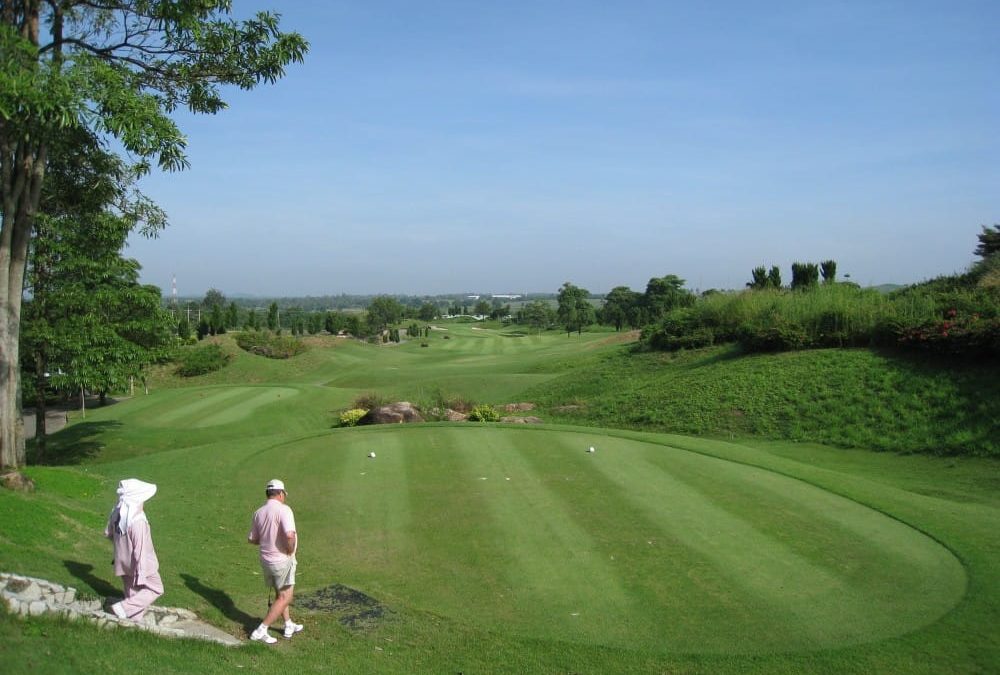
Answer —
353 609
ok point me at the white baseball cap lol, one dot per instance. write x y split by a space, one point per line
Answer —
275 484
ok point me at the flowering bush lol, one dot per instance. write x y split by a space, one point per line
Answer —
349 418
484 412
958 333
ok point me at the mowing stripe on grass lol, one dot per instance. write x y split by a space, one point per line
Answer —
193 403
559 581
872 552
246 405
824 607
680 601
216 405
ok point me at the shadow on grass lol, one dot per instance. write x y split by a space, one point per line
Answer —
74 444
222 602
967 425
85 573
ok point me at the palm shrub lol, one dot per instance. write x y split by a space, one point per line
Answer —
804 275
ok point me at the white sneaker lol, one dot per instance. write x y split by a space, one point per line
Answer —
262 636
118 610
291 628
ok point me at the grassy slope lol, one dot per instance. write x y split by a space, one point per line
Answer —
851 398
436 628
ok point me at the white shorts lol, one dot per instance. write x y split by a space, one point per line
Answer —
279 575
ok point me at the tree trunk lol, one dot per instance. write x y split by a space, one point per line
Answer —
40 412
11 424
22 169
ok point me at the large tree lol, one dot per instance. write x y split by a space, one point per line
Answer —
664 294
537 314
574 309
383 311
621 307
81 290
120 68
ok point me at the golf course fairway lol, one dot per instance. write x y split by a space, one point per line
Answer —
639 545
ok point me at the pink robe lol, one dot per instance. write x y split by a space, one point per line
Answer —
135 562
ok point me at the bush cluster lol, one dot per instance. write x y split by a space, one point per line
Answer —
201 360
267 344
955 317
955 334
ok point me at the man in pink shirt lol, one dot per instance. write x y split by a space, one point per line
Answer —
135 559
273 529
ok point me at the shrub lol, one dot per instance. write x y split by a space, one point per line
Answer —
272 346
370 400
680 329
777 336
484 412
349 418
201 360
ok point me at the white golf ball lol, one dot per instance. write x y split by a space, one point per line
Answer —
372 455
591 449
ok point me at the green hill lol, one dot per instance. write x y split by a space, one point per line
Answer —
847 397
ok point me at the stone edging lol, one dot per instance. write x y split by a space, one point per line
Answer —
27 596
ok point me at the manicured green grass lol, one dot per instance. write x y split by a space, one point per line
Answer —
656 553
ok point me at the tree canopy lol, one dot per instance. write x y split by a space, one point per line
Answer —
574 310
116 68
989 241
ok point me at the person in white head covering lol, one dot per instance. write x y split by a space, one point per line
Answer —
135 558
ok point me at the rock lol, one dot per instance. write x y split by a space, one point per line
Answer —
15 480
30 593
394 413
519 407
455 416
521 420
26 596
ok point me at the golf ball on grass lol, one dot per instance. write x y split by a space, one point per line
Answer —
591 449
372 455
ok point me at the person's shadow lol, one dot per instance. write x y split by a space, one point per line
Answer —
84 572
221 601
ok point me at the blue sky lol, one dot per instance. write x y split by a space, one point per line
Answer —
444 146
